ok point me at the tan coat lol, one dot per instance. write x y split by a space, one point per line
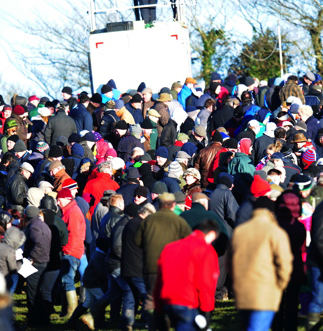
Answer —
261 260
125 115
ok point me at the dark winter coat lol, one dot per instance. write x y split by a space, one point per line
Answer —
219 117
132 255
260 145
136 113
126 145
172 184
38 242
59 125
169 133
313 125
155 232
245 210
113 259
223 203
198 214
107 123
83 119
146 175
109 221
17 192
315 254
127 191
59 238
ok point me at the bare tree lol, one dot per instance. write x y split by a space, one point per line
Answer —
306 15
59 52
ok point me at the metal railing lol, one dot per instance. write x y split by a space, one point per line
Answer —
179 3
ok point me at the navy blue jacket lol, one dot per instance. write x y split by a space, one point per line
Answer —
83 119
313 125
126 145
127 191
136 113
172 184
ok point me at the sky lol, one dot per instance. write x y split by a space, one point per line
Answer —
21 11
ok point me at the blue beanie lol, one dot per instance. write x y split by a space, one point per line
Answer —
189 148
162 152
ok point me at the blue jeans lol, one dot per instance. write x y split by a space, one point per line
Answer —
316 305
257 320
69 266
182 317
82 266
128 300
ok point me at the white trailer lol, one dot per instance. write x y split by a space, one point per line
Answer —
158 56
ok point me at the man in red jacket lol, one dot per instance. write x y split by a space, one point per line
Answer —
101 183
188 271
74 249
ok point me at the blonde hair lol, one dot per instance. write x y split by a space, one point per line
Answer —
305 110
276 147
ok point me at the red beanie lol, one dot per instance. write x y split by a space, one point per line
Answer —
19 110
259 187
65 193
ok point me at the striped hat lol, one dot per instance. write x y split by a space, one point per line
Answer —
175 168
70 184
309 156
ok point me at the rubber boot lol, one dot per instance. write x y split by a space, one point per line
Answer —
313 320
99 307
78 312
71 303
82 294
88 320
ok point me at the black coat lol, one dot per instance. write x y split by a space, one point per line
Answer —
113 259
109 221
17 192
169 133
219 117
132 255
315 254
260 145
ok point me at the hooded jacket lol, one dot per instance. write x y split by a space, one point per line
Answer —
13 239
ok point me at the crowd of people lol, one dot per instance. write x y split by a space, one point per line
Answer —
160 204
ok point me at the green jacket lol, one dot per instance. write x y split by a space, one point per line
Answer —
155 232
198 214
153 136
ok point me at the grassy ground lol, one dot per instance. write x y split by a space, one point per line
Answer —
224 316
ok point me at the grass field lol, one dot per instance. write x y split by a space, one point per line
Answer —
224 317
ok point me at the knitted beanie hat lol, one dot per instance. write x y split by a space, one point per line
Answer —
162 152
309 156
259 187
175 168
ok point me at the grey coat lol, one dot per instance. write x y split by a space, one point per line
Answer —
59 125
13 239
